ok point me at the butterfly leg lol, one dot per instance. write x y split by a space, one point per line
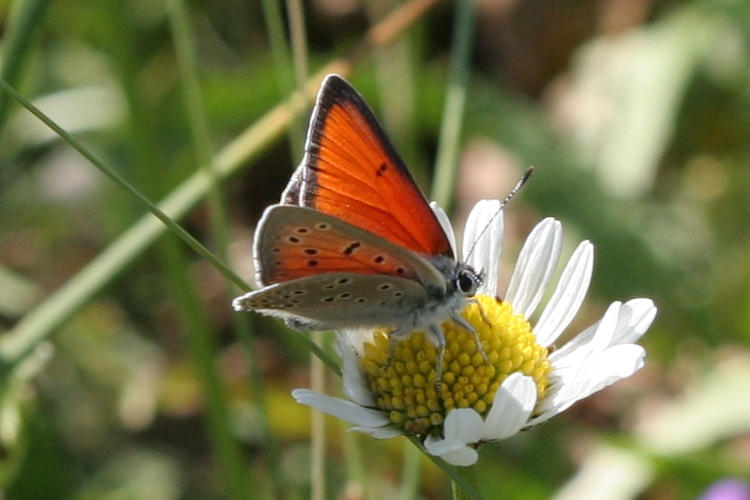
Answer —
393 337
462 322
482 314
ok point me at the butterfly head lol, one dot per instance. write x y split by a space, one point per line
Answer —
466 280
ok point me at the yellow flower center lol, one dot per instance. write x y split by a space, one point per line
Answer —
405 385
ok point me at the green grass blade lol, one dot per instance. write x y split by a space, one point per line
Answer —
233 470
118 179
455 98
299 63
181 31
25 16
282 61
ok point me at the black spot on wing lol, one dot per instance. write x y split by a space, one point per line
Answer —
351 247
381 169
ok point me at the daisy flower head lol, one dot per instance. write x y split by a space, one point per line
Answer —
518 380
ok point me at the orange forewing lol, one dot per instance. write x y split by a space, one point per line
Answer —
297 244
352 172
292 264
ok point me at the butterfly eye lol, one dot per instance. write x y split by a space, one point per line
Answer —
467 282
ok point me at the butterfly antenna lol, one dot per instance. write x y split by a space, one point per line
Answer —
516 189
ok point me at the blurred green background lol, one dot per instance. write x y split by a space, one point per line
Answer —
635 113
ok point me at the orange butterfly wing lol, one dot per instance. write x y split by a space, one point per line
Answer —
352 172
295 242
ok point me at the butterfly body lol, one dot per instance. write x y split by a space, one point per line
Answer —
353 242
384 285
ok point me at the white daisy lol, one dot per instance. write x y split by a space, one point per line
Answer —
521 382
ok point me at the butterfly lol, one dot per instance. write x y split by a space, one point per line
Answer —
353 242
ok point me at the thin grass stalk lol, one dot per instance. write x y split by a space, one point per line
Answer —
298 35
395 79
460 492
317 427
201 140
23 19
282 62
356 474
233 470
455 98
120 180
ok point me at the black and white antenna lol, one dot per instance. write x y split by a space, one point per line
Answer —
516 189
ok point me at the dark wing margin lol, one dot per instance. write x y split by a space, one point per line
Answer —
351 171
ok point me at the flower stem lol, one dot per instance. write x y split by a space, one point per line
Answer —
410 472
469 474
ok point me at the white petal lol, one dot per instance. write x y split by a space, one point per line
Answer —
571 369
614 364
562 354
445 223
461 427
601 370
354 385
483 240
638 316
437 446
534 267
453 451
464 457
341 409
633 319
356 337
593 339
513 403
568 296
463 424
605 331
576 347
378 432
474 223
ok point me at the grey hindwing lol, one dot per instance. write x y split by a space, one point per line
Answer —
338 300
